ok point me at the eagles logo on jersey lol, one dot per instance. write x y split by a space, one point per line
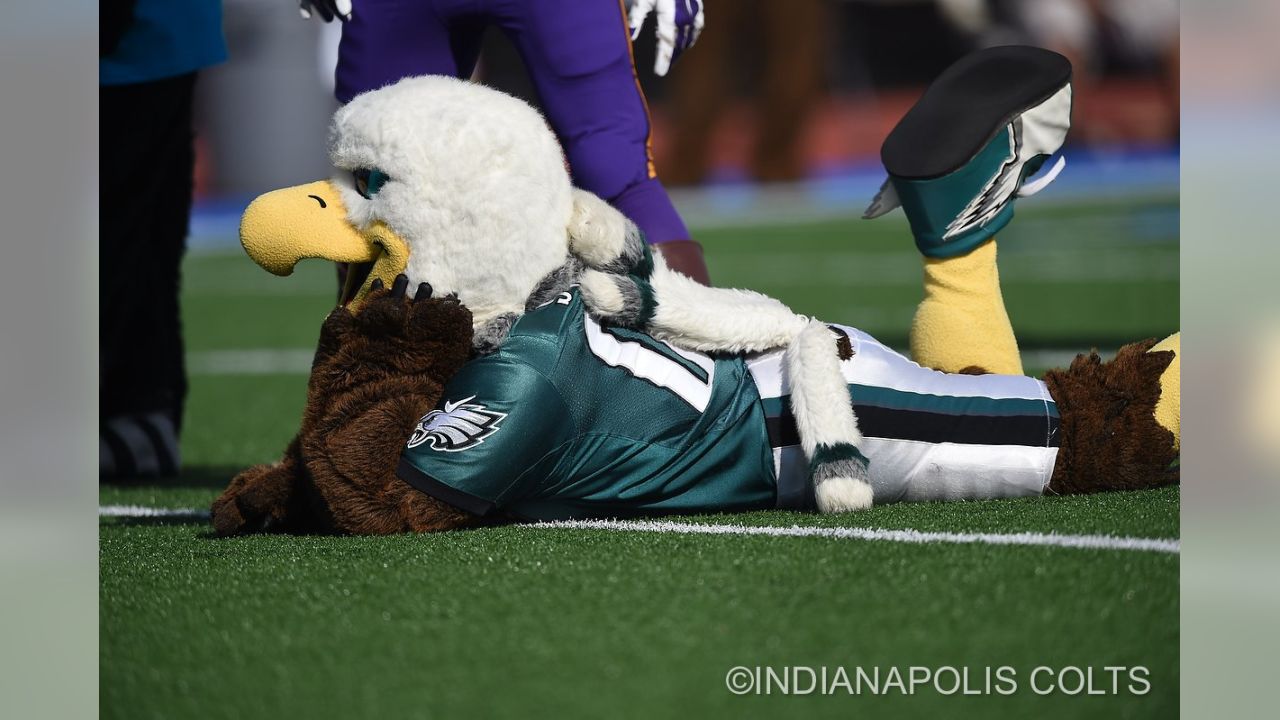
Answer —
460 425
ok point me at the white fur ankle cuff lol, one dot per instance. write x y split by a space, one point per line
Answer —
843 494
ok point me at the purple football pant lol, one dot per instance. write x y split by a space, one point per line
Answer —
578 55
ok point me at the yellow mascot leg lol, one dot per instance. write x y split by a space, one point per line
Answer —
1169 408
962 322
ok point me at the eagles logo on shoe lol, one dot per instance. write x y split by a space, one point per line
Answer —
460 425
960 157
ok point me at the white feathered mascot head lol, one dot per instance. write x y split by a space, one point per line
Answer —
475 184
443 180
453 184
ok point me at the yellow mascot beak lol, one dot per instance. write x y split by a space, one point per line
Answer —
285 226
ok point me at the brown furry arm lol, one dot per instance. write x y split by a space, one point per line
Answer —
351 458
261 497
383 369
273 496
374 375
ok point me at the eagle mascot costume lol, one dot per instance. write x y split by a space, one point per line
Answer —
507 347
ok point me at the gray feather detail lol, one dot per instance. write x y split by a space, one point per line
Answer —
490 336
555 282
632 303
852 468
631 254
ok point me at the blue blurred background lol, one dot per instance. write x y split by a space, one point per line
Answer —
777 112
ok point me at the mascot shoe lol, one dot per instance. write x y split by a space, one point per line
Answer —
964 152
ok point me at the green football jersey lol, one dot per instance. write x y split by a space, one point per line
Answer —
572 419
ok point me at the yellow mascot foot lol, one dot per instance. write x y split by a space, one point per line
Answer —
961 322
1169 408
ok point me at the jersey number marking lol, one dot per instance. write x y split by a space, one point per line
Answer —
654 366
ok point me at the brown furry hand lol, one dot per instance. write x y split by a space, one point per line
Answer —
1110 437
375 373
263 497
391 335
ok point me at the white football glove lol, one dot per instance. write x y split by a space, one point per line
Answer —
679 25
327 9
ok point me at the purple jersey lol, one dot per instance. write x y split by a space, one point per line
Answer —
578 55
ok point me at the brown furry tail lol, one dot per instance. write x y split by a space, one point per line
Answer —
1110 438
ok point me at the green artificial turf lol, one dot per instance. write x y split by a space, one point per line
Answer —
543 622
548 623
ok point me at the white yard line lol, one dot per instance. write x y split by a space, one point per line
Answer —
251 361
1032 539
1087 542
141 511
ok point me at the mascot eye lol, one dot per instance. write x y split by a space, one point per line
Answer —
369 181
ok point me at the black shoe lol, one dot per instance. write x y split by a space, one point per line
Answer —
963 153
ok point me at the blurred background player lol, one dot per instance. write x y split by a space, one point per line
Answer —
578 56
149 52
790 39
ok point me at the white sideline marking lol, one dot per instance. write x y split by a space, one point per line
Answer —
253 361
1083 542
139 511
1087 542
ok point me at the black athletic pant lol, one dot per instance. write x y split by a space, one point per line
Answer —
146 162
